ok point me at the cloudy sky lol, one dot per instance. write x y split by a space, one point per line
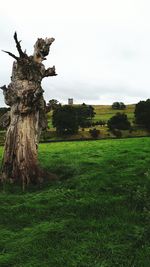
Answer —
101 49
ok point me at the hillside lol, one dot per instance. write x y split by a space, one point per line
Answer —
105 112
97 214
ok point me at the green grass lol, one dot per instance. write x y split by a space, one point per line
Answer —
105 112
96 215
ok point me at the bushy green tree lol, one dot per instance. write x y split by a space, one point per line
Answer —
52 104
85 113
65 119
68 119
118 105
142 113
119 121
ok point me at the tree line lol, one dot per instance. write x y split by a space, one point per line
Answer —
69 118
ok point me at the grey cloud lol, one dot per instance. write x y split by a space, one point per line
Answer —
100 55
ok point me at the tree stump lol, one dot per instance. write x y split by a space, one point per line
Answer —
24 95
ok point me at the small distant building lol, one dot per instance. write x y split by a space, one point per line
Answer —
70 101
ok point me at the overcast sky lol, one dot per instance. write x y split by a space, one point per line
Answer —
101 49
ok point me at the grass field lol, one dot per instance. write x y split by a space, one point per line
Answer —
105 112
96 215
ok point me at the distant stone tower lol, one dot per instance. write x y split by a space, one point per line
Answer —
70 101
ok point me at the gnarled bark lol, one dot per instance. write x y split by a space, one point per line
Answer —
24 95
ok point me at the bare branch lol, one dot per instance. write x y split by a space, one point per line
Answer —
10 54
21 53
50 72
3 87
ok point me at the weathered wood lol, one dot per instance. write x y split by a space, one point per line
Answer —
24 95
5 120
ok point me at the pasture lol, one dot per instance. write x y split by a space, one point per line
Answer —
105 112
97 214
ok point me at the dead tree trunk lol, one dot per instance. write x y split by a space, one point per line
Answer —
24 95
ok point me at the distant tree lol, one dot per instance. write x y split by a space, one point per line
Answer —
115 105
85 114
119 121
100 122
68 119
142 113
118 105
122 105
52 104
65 120
90 112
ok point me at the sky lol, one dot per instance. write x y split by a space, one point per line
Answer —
101 50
